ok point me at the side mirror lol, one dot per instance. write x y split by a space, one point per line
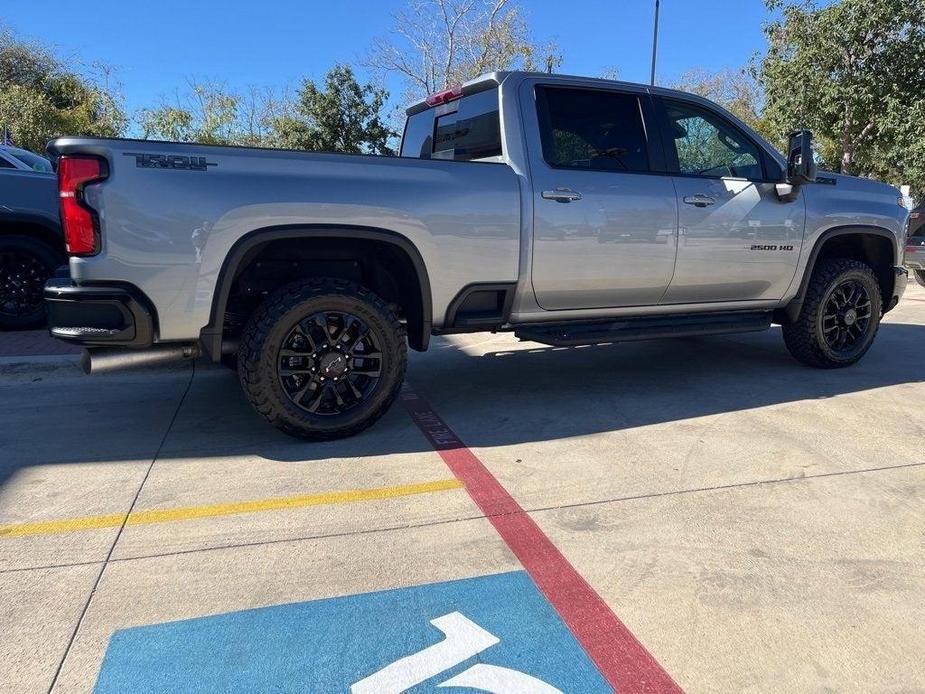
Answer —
801 167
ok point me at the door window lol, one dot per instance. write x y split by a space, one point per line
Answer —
592 129
701 143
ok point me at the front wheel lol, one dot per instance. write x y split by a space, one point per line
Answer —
322 359
920 277
840 315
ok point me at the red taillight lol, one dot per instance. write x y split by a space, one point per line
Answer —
445 96
80 237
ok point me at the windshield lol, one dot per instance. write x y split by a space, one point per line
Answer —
33 161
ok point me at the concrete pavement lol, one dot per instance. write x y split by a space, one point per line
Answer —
756 524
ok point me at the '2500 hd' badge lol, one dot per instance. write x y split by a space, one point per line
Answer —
170 161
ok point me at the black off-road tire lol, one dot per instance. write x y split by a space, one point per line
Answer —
920 277
36 261
268 327
805 338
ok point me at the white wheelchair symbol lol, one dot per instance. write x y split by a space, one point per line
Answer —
464 639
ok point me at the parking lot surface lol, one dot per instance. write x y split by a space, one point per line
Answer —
701 514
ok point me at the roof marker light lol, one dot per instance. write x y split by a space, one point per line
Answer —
445 96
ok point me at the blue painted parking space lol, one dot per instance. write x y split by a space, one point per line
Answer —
492 633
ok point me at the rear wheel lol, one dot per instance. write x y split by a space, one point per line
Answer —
920 277
25 265
322 359
840 315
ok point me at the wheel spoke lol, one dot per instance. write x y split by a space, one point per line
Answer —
357 393
299 394
372 371
337 395
349 322
315 403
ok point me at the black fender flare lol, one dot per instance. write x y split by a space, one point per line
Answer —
211 335
51 231
792 310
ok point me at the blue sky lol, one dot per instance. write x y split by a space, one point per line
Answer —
156 46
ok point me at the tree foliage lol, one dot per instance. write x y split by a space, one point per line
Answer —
735 90
340 116
437 43
41 99
208 112
852 72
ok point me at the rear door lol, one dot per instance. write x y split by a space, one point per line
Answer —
604 225
736 239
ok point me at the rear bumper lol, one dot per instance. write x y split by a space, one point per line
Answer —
915 253
900 281
99 315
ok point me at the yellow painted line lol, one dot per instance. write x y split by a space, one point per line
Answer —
209 510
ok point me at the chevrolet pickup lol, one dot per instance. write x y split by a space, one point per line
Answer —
563 209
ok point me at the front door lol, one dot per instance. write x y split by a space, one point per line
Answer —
605 226
736 239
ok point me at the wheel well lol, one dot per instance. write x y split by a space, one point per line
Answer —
41 232
874 249
381 265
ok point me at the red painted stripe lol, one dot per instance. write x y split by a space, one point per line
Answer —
624 662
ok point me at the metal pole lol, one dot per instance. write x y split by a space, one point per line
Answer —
654 43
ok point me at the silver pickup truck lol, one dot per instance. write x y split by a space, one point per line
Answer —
563 209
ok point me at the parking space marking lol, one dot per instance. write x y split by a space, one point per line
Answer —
621 658
492 633
227 509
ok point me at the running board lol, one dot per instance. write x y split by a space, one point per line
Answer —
644 328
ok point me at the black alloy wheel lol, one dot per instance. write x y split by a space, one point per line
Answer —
846 317
329 363
25 266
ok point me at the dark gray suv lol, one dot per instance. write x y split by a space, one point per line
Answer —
31 241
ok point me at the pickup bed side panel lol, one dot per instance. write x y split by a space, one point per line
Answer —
168 231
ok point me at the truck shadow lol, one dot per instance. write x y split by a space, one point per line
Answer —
490 398
538 393
543 393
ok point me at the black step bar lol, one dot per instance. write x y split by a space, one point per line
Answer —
644 328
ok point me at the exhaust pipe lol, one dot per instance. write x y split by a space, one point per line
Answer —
103 360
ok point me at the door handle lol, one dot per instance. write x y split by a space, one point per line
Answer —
699 200
561 195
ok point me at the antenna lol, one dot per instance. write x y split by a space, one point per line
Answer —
654 43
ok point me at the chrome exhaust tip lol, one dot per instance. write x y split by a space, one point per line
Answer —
98 360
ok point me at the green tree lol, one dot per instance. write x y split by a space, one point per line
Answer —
208 113
41 99
339 116
736 90
852 71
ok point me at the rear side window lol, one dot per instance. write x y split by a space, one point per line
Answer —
592 129
463 130
472 132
